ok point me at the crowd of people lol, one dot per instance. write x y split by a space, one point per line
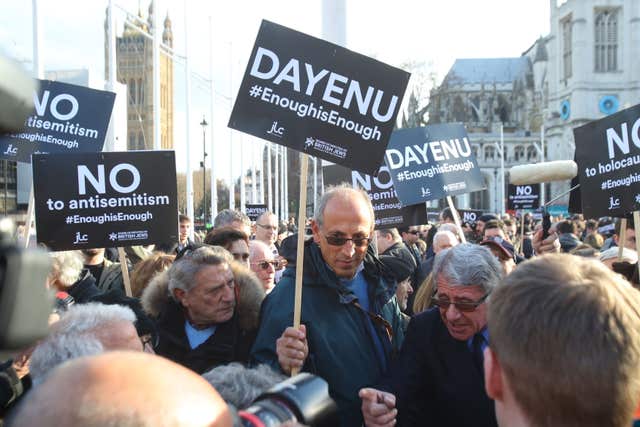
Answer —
496 323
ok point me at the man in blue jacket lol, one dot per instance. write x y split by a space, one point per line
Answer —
351 320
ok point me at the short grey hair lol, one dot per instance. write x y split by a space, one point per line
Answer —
75 335
266 214
66 267
468 264
345 191
182 272
229 216
441 234
393 232
239 385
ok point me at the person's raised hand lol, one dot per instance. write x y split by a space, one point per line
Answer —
292 348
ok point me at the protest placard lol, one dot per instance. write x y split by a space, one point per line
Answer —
95 200
469 215
67 119
254 211
318 98
523 197
388 210
608 157
432 162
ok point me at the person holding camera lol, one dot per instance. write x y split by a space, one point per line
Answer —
350 316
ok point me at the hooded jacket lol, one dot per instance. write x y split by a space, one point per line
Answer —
341 347
231 341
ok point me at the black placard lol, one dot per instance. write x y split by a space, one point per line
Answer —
432 162
608 158
67 119
317 97
523 197
254 211
95 200
469 215
386 206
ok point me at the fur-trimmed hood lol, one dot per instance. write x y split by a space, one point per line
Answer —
250 295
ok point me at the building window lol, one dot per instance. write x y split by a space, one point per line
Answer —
565 26
140 92
606 41
141 141
532 153
489 152
518 153
132 91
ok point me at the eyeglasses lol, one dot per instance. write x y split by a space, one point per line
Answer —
268 227
340 241
414 232
264 265
444 303
240 256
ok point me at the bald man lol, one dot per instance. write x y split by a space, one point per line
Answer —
126 389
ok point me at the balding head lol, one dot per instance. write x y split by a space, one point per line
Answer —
124 389
444 239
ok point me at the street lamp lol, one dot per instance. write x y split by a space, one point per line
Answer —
204 171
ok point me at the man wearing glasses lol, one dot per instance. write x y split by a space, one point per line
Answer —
263 263
350 316
438 376
267 232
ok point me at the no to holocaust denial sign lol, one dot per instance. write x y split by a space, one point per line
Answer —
66 119
523 197
386 206
96 200
254 211
608 158
317 97
432 162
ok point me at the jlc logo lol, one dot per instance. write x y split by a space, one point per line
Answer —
275 130
81 238
614 203
11 150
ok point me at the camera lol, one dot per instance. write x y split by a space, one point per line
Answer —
303 399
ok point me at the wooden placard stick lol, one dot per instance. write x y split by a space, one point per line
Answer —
521 247
122 257
27 224
456 218
622 236
302 209
636 229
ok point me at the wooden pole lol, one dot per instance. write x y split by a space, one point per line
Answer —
622 236
521 244
302 209
456 218
636 220
125 271
27 224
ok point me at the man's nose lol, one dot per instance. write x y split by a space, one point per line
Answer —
348 248
452 312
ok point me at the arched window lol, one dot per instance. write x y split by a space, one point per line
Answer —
518 153
140 92
132 91
489 152
566 47
532 153
475 150
606 41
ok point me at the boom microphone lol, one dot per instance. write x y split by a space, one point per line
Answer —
537 173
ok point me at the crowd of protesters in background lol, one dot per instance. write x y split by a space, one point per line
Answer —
425 324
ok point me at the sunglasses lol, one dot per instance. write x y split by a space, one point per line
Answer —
264 265
444 303
340 241
414 232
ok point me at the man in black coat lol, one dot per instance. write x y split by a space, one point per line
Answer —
211 316
438 378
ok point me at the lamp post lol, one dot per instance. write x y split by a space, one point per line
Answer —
204 171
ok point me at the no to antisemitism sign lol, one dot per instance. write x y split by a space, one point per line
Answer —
317 97
96 200
608 158
67 119
388 210
523 197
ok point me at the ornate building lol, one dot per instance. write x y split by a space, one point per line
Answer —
134 56
486 95
586 68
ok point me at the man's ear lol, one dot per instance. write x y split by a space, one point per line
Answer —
315 229
178 295
493 382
